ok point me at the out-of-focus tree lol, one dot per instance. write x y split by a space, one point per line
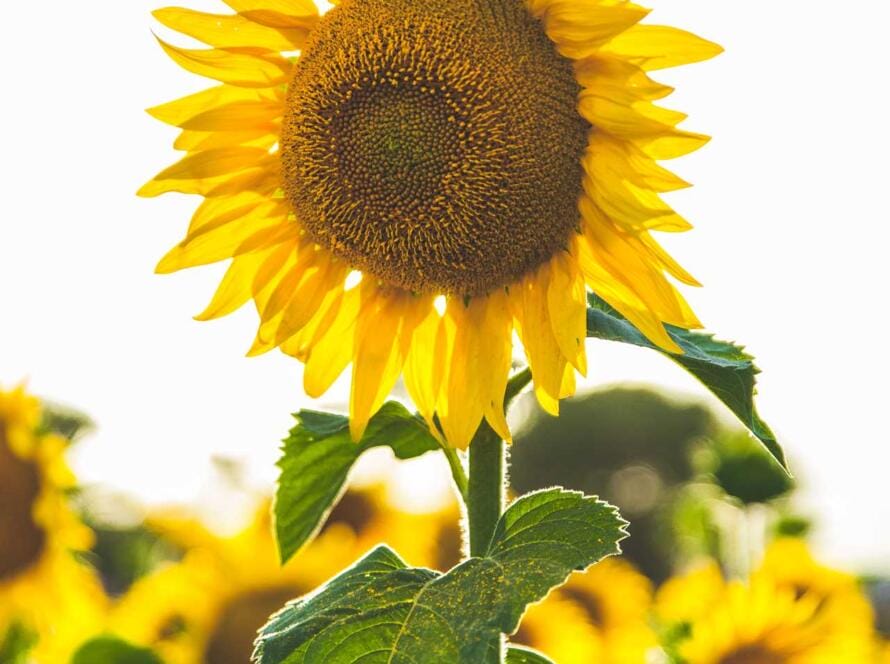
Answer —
632 447
689 485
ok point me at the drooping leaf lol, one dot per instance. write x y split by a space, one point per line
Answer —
522 655
382 611
317 457
545 536
724 368
111 650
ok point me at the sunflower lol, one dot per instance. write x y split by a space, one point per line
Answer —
403 184
208 607
43 588
788 563
598 616
779 616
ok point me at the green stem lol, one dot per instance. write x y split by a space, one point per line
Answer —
485 493
457 470
516 384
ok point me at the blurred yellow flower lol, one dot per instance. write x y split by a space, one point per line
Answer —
42 586
496 157
208 607
599 616
789 564
791 611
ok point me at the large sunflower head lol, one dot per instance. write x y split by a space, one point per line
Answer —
43 588
480 163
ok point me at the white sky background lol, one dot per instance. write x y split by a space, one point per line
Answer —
790 207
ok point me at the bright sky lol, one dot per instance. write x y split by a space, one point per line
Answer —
790 207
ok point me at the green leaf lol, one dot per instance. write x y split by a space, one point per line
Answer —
382 611
546 535
111 650
317 458
67 422
724 368
522 655
16 643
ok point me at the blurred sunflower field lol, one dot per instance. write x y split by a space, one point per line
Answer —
717 570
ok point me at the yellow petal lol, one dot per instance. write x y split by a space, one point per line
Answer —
621 161
641 121
628 305
568 385
567 306
300 295
667 261
264 137
308 299
280 263
479 367
238 116
382 337
649 127
277 13
580 28
247 68
633 208
332 354
494 356
657 46
425 365
213 213
461 409
226 228
280 259
250 233
618 80
222 31
299 345
180 110
623 255
235 288
260 178
536 332
211 164
677 143
623 298
264 179
280 297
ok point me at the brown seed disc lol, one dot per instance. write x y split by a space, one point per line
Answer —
434 145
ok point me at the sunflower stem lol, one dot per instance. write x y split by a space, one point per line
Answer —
486 498
457 471
485 491
486 487
516 384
